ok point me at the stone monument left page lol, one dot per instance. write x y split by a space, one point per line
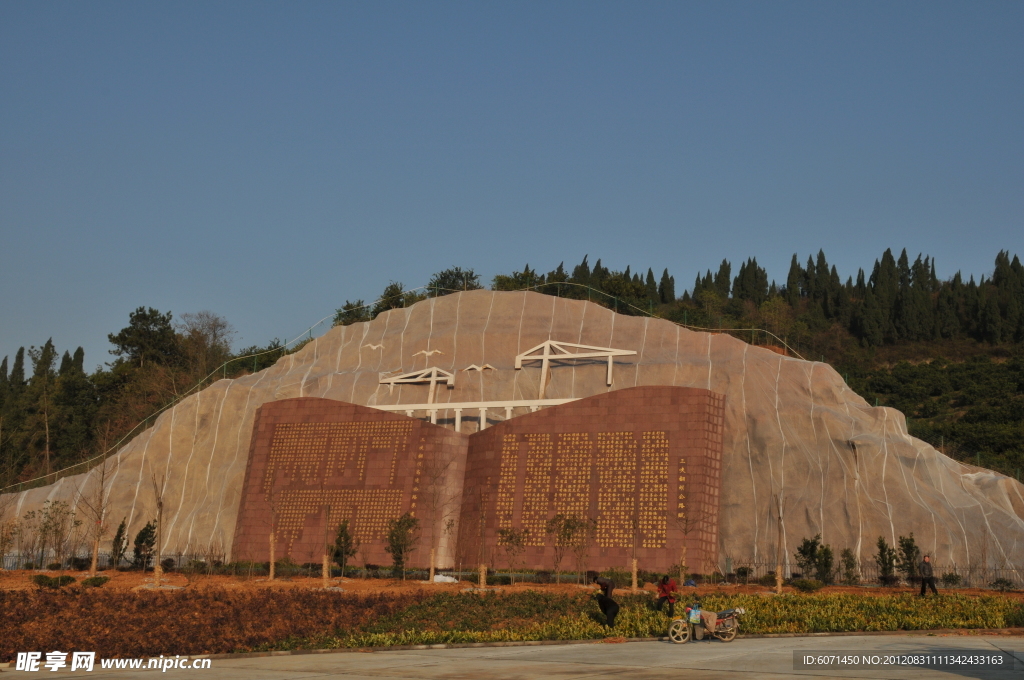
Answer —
314 463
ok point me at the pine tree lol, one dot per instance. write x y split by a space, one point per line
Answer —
581 273
148 338
723 280
39 395
652 287
667 288
65 363
885 287
75 407
796 275
4 387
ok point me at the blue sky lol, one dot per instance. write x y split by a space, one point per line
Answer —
268 161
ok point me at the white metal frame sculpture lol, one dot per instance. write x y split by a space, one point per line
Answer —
432 375
480 406
552 350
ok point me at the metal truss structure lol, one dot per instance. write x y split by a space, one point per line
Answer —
431 376
552 350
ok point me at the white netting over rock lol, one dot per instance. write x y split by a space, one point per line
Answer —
844 469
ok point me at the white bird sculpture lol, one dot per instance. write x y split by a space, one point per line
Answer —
474 367
379 346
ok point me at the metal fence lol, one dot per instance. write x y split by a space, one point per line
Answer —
733 571
868 573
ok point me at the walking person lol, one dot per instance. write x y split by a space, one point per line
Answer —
927 576
667 593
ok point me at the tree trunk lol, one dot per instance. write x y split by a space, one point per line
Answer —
272 560
483 575
95 555
327 571
431 577
157 567
634 575
778 560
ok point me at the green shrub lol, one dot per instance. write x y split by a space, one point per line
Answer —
744 573
620 577
94 581
951 579
768 579
53 566
807 585
848 567
1002 584
44 581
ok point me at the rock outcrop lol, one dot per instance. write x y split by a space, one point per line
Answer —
793 430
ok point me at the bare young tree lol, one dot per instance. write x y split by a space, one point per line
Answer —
328 548
687 521
95 505
205 339
158 491
584 532
443 507
561 528
8 527
513 541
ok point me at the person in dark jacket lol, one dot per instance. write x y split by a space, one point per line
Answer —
667 593
608 606
927 576
605 584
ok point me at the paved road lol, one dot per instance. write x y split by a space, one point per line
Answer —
768 658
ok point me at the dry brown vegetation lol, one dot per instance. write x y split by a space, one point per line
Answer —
212 620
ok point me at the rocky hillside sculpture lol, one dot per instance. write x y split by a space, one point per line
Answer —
793 430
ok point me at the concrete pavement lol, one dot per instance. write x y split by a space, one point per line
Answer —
768 658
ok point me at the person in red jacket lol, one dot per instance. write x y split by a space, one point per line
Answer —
667 593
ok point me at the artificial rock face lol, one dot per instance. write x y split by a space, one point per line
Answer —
793 430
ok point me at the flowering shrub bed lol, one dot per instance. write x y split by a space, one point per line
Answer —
215 621
127 624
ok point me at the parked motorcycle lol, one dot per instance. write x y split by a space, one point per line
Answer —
698 624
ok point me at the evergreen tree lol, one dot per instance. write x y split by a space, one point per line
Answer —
4 387
793 279
581 273
148 338
885 287
723 280
667 288
947 323
39 398
823 282
453 280
652 287
65 363
351 312
17 378
75 409
751 282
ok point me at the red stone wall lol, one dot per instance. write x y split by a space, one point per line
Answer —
645 463
312 456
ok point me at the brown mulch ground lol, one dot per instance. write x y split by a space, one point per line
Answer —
129 580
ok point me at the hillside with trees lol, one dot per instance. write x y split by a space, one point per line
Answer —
948 353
